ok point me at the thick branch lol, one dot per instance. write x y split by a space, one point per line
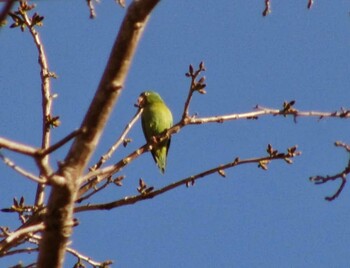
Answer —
60 206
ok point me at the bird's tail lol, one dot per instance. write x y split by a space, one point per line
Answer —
160 156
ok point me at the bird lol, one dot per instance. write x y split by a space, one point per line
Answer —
156 117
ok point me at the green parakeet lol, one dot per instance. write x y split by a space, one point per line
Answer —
156 118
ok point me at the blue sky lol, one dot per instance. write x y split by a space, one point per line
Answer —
251 218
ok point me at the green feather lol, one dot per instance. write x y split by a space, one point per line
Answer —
156 118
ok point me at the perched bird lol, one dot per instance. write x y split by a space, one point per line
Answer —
156 118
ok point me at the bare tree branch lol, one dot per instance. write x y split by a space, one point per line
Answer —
20 170
57 145
261 111
194 86
20 251
92 183
343 145
67 180
22 19
96 189
87 259
17 147
267 9
95 177
63 195
310 4
341 175
99 175
148 194
197 85
45 76
91 9
120 140
14 238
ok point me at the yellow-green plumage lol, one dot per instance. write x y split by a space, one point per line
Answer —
156 118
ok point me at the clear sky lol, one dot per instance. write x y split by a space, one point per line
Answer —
251 218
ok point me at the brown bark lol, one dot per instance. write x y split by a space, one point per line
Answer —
58 220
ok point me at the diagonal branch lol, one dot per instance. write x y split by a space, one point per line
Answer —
96 176
197 84
262 163
57 145
14 238
87 259
20 170
20 251
63 195
108 155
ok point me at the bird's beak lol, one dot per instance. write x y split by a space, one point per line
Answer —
140 101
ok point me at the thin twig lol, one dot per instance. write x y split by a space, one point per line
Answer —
21 250
17 147
88 259
95 177
96 190
21 171
267 9
261 111
341 175
192 120
92 183
310 4
91 9
45 76
14 238
35 239
121 2
120 140
190 180
342 144
193 75
57 145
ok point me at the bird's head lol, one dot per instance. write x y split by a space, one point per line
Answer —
148 97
